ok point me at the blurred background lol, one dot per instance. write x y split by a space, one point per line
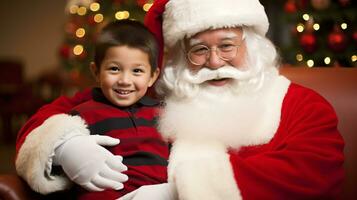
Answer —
46 47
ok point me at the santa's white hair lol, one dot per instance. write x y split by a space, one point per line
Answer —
260 58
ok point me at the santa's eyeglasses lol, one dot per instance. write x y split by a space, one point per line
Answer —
199 54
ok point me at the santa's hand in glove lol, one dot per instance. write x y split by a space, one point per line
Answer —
87 163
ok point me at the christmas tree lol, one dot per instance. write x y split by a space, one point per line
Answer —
323 33
85 19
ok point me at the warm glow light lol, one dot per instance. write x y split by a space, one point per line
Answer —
147 6
354 58
82 10
122 15
316 26
73 9
98 18
94 6
310 63
78 50
327 60
306 17
80 32
300 28
299 57
344 26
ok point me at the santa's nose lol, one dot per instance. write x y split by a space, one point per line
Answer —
214 61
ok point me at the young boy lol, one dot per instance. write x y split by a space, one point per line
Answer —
125 66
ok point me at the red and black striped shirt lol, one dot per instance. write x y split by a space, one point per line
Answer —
143 150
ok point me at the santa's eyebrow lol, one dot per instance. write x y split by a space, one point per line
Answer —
228 36
193 42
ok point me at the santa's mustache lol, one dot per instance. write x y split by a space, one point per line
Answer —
206 74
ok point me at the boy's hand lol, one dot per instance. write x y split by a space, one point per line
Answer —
90 165
164 191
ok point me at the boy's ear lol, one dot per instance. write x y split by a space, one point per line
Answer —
94 70
154 76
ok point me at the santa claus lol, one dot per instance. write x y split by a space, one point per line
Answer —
238 129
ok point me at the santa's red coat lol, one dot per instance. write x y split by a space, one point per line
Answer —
304 160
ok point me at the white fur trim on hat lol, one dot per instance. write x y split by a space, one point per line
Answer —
35 153
187 17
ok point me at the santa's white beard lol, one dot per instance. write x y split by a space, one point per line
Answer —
202 125
222 114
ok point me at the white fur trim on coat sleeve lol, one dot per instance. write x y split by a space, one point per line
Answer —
202 170
38 148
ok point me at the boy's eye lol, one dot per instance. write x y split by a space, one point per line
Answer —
114 68
138 70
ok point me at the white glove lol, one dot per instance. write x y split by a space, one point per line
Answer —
89 164
164 191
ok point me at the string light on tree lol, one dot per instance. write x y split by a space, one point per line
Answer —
73 9
78 50
354 58
300 28
344 26
327 60
310 63
306 17
82 11
147 6
94 6
80 32
98 18
122 15
299 57
316 26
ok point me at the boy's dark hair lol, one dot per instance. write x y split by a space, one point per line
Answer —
127 33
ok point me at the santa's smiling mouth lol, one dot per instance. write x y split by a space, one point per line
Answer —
219 79
218 82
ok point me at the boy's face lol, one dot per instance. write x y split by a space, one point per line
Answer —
125 75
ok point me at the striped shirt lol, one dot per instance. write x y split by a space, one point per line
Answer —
143 150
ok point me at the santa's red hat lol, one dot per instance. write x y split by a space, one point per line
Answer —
173 20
